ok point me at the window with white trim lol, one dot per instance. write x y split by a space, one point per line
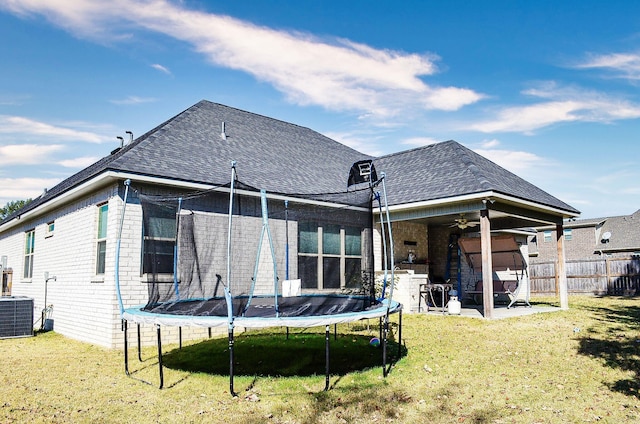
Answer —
329 255
29 247
568 235
50 229
547 236
159 241
101 239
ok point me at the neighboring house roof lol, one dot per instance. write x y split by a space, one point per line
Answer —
286 158
624 233
575 223
449 169
580 223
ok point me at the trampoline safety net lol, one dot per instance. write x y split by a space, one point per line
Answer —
271 254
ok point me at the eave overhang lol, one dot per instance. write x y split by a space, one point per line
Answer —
492 200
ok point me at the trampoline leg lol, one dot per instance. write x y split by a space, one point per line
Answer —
160 357
326 353
233 393
126 347
139 345
335 331
180 337
385 331
399 334
209 331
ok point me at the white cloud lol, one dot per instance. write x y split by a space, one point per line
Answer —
133 100
562 104
27 154
624 65
518 162
490 144
336 74
23 188
419 141
78 163
364 143
13 99
161 68
528 118
27 126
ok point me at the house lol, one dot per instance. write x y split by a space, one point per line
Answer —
435 193
603 254
614 236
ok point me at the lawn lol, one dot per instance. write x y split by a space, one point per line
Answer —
579 365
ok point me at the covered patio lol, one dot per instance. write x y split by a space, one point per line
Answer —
499 311
461 195
480 276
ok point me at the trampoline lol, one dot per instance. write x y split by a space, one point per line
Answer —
215 259
299 311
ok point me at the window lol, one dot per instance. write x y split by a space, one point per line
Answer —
101 251
50 229
329 256
547 236
29 245
567 234
159 240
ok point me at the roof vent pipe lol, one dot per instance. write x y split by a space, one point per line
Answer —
130 136
223 134
121 140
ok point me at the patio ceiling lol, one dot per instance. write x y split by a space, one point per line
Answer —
504 214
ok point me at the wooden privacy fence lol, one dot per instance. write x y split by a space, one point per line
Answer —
612 276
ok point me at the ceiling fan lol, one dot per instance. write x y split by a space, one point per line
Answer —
463 223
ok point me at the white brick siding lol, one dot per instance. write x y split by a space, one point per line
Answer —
83 305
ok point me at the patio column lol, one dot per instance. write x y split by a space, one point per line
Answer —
561 272
487 265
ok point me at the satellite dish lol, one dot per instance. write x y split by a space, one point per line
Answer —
606 236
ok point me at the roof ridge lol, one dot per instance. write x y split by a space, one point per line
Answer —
426 146
469 161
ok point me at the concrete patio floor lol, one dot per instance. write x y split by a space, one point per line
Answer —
499 311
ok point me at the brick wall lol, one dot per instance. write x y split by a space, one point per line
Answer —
405 234
82 303
581 246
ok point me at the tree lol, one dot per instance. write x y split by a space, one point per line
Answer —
12 207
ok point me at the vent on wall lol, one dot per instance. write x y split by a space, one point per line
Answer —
16 316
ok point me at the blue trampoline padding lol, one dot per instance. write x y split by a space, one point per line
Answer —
296 311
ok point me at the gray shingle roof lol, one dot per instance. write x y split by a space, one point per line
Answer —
270 154
287 158
625 233
449 169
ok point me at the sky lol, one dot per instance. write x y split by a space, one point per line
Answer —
549 90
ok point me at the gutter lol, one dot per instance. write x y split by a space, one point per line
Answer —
478 197
85 188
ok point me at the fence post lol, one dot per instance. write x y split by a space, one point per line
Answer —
555 273
561 271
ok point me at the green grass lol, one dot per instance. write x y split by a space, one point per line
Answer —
580 365
273 354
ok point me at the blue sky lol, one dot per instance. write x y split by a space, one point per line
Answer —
546 89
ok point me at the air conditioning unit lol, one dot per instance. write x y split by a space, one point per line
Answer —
16 316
